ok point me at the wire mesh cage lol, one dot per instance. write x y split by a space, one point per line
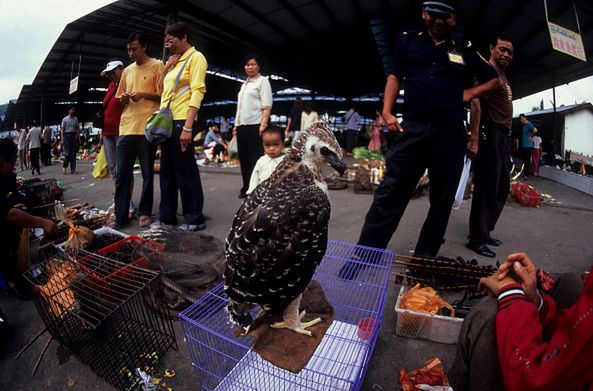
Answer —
192 264
223 361
107 323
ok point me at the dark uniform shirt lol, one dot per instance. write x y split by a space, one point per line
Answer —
434 76
497 108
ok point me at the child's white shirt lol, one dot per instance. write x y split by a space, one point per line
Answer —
264 167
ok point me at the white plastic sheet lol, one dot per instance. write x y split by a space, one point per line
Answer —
462 183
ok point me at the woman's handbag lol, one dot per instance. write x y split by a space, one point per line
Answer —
159 127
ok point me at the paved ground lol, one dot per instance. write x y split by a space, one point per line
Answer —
557 237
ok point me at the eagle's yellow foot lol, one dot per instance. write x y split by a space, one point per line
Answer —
298 327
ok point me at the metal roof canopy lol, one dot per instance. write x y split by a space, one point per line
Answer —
332 47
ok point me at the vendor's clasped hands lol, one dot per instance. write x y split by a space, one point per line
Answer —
516 269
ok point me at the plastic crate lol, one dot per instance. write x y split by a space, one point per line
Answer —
223 361
98 232
526 195
422 325
105 275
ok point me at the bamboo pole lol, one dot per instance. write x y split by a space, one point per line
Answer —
41 355
30 342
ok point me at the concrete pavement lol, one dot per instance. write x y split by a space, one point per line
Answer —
558 238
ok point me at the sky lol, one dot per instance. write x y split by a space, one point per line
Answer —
29 29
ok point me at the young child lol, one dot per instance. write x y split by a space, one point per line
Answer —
272 138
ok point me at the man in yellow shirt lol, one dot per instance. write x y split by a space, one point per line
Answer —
139 92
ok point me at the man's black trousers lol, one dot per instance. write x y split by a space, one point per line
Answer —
491 182
436 146
128 149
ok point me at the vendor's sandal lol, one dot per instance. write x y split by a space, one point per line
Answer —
144 221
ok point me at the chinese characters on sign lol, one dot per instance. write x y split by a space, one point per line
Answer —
567 41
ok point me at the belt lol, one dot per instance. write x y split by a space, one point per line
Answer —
497 126
503 129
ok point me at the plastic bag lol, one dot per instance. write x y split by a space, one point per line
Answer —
79 237
462 183
233 149
101 170
425 300
431 377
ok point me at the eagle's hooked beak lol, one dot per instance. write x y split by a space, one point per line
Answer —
337 163
333 160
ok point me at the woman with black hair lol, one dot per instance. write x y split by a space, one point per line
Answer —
254 106
179 171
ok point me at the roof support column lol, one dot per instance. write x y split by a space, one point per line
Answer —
170 19
556 133
41 112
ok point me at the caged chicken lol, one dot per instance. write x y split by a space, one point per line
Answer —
279 234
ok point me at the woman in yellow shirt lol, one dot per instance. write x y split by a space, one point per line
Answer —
179 171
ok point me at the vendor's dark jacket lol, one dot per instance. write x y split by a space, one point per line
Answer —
434 76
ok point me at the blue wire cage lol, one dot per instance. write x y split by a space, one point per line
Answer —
223 361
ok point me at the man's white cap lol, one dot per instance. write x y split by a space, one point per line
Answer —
111 65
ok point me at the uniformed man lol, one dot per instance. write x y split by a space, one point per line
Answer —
491 119
437 73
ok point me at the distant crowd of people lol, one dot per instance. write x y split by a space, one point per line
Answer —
35 146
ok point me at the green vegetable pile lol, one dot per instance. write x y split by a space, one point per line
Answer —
364 153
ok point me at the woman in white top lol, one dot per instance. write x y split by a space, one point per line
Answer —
254 106
308 117
21 140
34 139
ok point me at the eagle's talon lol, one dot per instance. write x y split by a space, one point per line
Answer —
301 328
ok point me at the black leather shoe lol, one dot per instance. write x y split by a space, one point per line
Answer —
494 242
481 249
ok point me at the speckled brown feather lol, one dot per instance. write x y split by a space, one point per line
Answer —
279 234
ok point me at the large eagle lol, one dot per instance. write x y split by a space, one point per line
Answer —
279 234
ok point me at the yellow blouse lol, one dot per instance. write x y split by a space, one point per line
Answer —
192 84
